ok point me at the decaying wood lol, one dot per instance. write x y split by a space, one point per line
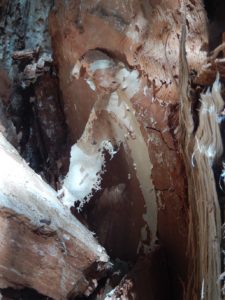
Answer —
144 279
211 67
143 36
41 245
201 149
141 166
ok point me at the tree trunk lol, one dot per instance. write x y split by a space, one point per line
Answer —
126 86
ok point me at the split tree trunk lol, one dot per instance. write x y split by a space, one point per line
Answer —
146 138
142 111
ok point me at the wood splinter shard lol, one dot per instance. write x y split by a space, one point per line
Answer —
205 146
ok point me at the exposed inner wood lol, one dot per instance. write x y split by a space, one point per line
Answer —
118 105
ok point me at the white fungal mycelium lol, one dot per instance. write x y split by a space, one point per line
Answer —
100 64
87 162
85 172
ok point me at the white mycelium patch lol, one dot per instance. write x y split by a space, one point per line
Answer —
91 84
129 81
85 171
100 64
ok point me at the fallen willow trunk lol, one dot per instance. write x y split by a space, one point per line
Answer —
41 245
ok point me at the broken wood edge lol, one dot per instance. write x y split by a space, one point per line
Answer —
200 150
27 200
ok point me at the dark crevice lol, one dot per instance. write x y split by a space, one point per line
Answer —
163 139
24 294
216 22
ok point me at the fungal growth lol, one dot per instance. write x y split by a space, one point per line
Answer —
116 85
115 187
